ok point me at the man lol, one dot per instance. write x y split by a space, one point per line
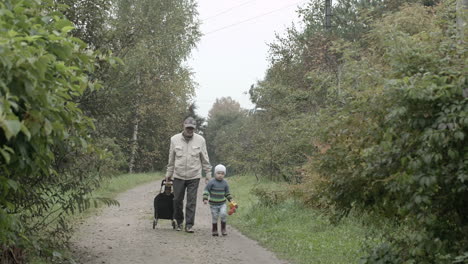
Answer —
187 157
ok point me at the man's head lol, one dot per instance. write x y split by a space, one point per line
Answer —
220 172
189 126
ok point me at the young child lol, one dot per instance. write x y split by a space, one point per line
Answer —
216 192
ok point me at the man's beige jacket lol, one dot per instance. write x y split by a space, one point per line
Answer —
186 158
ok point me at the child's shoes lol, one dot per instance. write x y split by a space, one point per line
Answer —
214 230
223 229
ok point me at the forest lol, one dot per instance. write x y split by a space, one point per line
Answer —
368 115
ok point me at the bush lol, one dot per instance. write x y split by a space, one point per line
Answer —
268 197
42 130
398 149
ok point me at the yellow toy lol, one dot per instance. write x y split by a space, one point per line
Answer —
232 207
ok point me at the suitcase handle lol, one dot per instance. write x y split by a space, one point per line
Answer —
163 183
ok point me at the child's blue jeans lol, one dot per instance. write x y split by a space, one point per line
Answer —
218 211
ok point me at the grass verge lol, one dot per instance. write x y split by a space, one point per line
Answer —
295 233
115 185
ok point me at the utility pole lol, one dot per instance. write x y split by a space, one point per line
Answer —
328 4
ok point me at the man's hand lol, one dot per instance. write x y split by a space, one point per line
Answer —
205 201
206 180
169 179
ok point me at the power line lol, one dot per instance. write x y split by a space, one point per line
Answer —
229 9
250 19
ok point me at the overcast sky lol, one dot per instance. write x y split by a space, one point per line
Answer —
232 54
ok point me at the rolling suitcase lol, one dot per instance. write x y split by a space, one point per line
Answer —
164 204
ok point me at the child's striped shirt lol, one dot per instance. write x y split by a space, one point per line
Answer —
217 192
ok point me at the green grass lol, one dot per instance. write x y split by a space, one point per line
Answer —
298 234
113 186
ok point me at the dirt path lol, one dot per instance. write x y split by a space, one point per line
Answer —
125 235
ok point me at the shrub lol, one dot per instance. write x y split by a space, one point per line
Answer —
42 130
399 150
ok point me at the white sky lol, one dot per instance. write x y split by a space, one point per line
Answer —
228 61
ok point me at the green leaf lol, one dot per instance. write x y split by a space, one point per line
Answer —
56 254
46 19
13 184
61 51
459 135
11 128
67 29
47 126
427 158
83 142
453 153
62 23
5 155
25 131
6 12
12 33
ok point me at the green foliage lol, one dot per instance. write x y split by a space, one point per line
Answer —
275 148
268 197
90 18
224 120
42 70
402 153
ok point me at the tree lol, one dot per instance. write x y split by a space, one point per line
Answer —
224 112
224 105
148 95
153 39
192 112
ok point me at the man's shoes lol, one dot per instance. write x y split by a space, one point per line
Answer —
179 227
189 229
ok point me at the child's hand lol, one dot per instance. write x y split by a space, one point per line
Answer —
205 201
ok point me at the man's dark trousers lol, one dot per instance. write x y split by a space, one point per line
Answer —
191 204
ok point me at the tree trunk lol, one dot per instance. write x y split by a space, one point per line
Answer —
136 121
462 6
134 144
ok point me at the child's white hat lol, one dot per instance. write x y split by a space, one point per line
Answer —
220 168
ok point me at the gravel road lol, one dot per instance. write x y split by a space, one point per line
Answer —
125 234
